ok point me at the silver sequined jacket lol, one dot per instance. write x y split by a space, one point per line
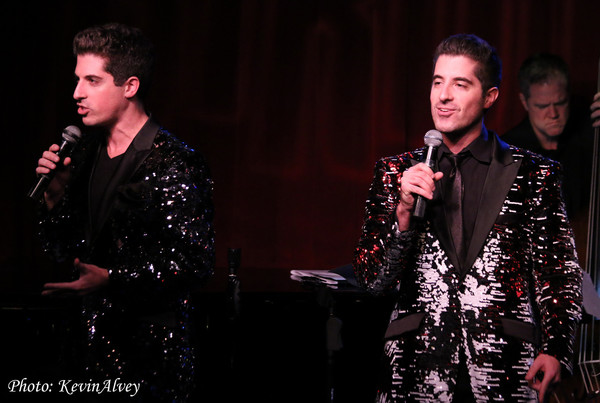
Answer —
157 242
519 296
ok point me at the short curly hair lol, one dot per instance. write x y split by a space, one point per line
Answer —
127 52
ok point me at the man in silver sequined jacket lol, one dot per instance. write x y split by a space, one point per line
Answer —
132 208
497 322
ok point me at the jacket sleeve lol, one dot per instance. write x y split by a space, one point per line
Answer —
379 258
62 229
556 270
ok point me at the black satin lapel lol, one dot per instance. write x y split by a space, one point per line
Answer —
501 175
142 147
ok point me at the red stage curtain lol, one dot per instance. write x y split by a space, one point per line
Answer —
292 102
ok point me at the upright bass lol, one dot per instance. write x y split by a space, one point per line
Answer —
584 387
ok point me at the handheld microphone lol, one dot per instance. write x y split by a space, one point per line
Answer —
70 137
433 139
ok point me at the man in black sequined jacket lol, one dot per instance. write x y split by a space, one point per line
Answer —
132 208
496 322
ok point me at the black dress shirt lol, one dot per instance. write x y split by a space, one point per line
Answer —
474 168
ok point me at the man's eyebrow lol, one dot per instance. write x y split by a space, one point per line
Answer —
461 79
559 102
87 76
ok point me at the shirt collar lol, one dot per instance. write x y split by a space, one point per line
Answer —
480 148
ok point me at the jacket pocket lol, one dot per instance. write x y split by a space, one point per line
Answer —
519 329
509 219
404 324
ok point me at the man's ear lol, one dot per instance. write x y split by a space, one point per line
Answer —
490 97
523 101
131 86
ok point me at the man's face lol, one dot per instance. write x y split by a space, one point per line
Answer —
548 107
457 98
99 101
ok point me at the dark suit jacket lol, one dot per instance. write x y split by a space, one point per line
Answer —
519 295
155 237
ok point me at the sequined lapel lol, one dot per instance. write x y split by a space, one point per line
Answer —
436 215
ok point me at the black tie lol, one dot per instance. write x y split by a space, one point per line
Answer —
454 208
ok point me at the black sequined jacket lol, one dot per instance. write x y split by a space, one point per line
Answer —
519 295
157 242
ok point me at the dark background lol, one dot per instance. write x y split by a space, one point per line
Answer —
291 102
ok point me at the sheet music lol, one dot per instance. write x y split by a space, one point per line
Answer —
324 277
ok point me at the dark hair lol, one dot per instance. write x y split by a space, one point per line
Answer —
541 68
127 51
489 71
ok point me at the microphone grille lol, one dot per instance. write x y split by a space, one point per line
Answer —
433 138
71 134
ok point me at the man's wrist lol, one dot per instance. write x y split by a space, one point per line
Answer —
402 222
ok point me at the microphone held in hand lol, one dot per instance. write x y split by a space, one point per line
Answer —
70 137
433 139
